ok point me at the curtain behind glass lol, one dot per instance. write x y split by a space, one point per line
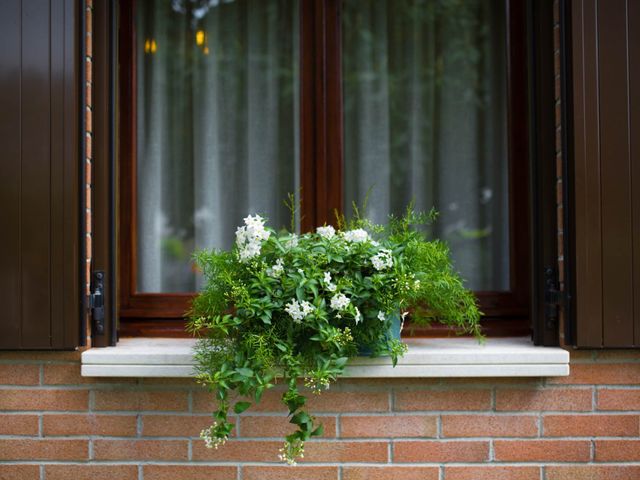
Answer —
217 131
425 120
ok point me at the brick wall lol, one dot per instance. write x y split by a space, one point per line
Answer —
55 424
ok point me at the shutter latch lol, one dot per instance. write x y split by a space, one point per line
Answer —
96 301
553 297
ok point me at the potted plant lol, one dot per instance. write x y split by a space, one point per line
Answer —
284 307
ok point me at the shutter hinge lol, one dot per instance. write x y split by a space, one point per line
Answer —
553 298
96 301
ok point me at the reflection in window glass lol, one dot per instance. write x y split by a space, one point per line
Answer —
217 127
424 86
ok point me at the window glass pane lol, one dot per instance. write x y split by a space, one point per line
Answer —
424 85
217 127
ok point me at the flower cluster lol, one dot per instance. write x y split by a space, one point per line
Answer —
327 232
339 302
277 269
211 440
299 310
249 238
382 260
357 235
327 282
291 451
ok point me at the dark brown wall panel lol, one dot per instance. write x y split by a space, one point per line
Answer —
39 174
607 180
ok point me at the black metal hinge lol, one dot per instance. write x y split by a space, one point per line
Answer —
553 298
96 301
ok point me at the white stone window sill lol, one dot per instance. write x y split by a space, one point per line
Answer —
427 357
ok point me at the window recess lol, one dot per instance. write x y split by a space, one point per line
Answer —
327 94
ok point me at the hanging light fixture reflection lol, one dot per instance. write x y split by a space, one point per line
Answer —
150 46
202 41
200 37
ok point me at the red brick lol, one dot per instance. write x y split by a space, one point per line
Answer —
328 402
492 473
616 399
190 472
541 450
489 426
591 425
19 374
29 449
19 472
271 402
390 473
601 374
112 425
346 452
53 400
69 374
443 400
174 425
289 473
617 450
239 451
140 449
544 399
18 425
439 451
259 426
360 402
592 472
385 427
128 400
91 472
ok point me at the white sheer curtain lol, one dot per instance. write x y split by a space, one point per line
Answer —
217 128
424 87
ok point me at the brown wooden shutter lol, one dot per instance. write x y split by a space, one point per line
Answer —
39 174
605 49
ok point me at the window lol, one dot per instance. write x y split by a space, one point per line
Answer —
226 106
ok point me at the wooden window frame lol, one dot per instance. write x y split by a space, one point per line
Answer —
151 314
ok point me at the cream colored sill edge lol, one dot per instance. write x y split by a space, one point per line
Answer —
427 357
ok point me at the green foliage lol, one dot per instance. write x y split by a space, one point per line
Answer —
279 307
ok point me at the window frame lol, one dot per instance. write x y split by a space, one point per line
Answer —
321 126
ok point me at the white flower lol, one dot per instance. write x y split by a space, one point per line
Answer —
358 317
381 316
210 439
356 236
291 242
382 259
249 238
339 301
327 280
298 310
277 269
327 231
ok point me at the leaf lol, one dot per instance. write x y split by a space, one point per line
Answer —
241 407
300 418
318 431
245 372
